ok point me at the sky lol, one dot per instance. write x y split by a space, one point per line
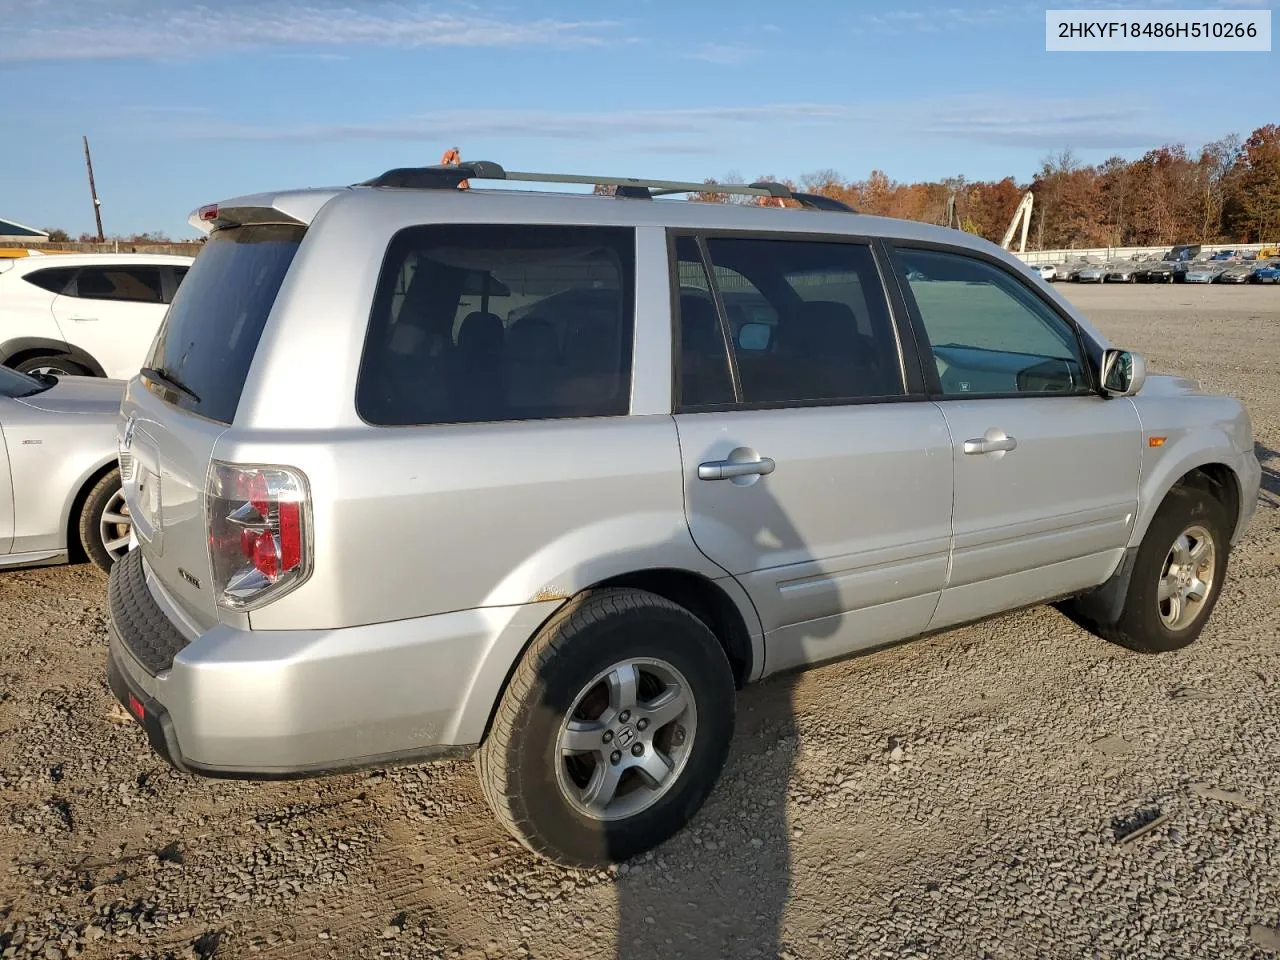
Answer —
186 104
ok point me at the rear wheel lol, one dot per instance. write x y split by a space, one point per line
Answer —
104 522
56 364
612 731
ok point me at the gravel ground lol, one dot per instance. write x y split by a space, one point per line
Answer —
1011 789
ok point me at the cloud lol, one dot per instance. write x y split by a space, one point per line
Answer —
167 30
993 120
1042 123
538 124
723 54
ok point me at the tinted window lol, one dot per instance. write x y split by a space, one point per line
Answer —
178 274
704 359
53 280
495 322
989 333
816 324
212 328
133 284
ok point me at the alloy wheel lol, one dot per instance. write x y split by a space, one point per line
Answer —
626 739
1186 578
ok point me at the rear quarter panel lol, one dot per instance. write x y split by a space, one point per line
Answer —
414 521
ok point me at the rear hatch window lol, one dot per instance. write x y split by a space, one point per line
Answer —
211 331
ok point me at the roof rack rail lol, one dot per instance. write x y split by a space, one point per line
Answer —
450 176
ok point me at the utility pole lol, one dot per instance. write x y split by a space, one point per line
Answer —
93 190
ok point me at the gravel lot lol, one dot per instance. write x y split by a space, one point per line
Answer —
970 795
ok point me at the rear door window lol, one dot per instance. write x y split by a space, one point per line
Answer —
812 324
212 328
131 284
491 322
54 280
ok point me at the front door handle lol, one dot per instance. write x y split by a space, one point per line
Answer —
983 445
728 469
84 319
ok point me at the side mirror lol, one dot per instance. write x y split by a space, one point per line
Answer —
1123 373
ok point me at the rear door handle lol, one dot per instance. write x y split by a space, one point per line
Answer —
728 469
983 445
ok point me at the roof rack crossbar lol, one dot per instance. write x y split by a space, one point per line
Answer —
450 176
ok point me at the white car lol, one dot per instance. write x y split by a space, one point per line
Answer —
60 495
1045 271
91 314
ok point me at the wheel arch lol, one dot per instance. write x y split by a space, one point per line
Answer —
14 351
1202 458
723 605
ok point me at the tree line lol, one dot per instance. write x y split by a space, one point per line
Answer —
1227 192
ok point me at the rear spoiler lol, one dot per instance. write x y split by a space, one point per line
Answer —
295 207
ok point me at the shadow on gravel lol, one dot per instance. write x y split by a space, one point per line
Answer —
1270 460
720 887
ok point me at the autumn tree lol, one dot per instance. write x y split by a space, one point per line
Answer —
1257 175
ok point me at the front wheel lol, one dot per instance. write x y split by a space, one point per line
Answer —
104 522
1177 574
612 731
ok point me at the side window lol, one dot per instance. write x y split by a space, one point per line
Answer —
132 284
54 280
989 333
178 274
820 327
489 322
704 359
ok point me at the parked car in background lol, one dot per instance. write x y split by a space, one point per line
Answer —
1045 271
1204 271
1237 272
84 314
1067 271
355 381
59 480
1122 271
1156 271
1093 273
1267 273
1183 252
1225 255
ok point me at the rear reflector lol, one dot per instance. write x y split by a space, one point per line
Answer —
209 213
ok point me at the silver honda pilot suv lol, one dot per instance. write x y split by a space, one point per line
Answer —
421 468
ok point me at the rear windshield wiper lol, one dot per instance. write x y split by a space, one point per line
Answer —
168 380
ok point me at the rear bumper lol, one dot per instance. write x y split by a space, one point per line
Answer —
278 704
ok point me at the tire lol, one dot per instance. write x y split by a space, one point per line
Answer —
57 364
100 536
1144 624
542 795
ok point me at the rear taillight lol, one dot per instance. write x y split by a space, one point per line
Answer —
259 523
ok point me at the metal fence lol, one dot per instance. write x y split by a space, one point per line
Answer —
182 248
